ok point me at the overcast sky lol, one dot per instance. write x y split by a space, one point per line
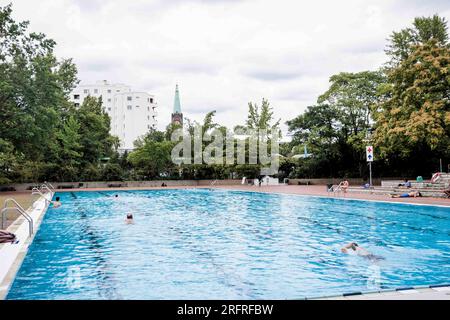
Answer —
223 53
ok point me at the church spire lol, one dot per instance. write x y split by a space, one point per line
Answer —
176 102
177 116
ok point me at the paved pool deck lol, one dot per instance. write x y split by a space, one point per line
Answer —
321 192
312 190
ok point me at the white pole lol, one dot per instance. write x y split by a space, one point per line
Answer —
370 173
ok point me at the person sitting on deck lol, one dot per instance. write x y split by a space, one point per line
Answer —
344 185
406 184
129 219
353 247
56 203
412 194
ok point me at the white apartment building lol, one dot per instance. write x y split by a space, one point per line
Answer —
133 113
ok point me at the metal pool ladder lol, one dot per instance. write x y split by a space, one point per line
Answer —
41 188
336 189
22 211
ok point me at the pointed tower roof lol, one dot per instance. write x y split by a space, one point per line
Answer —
176 102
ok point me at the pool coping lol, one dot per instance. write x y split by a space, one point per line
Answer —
14 254
435 292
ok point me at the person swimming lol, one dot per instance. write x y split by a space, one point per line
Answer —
56 203
129 219
353 247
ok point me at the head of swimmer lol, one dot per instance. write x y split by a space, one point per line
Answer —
351 246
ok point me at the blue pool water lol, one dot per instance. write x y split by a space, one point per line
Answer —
217 244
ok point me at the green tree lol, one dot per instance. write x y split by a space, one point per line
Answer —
417 113
8 162
152 159
260 117
95 140
402 43
70 150
34 86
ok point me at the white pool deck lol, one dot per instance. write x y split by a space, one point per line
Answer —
12 255
439 293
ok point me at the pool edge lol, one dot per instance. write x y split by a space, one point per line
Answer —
19 253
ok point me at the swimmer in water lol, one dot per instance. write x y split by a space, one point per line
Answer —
129 219
56 203
353 247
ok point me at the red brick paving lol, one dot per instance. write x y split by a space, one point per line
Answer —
313 190
321 191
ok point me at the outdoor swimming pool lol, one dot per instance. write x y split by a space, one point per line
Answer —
217 244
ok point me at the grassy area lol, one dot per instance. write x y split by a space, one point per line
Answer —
25 199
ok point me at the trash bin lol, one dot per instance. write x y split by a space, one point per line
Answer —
329 186
419 179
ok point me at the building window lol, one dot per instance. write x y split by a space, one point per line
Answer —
109 90
76 96
137 106
148 108
117 90
86 91
109 109
148 117
129 98
95 90
109 100
129 107
76 105
151 100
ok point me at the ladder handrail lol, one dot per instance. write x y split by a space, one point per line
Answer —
338 188
37 191
46 187
213 182
48 184
21 210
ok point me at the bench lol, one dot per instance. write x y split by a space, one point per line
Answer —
6 189
67 186
117 185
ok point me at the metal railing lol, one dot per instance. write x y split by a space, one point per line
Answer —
22 211
337 189
214 182
48 184
39 191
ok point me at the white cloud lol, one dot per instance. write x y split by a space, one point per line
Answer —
223 53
